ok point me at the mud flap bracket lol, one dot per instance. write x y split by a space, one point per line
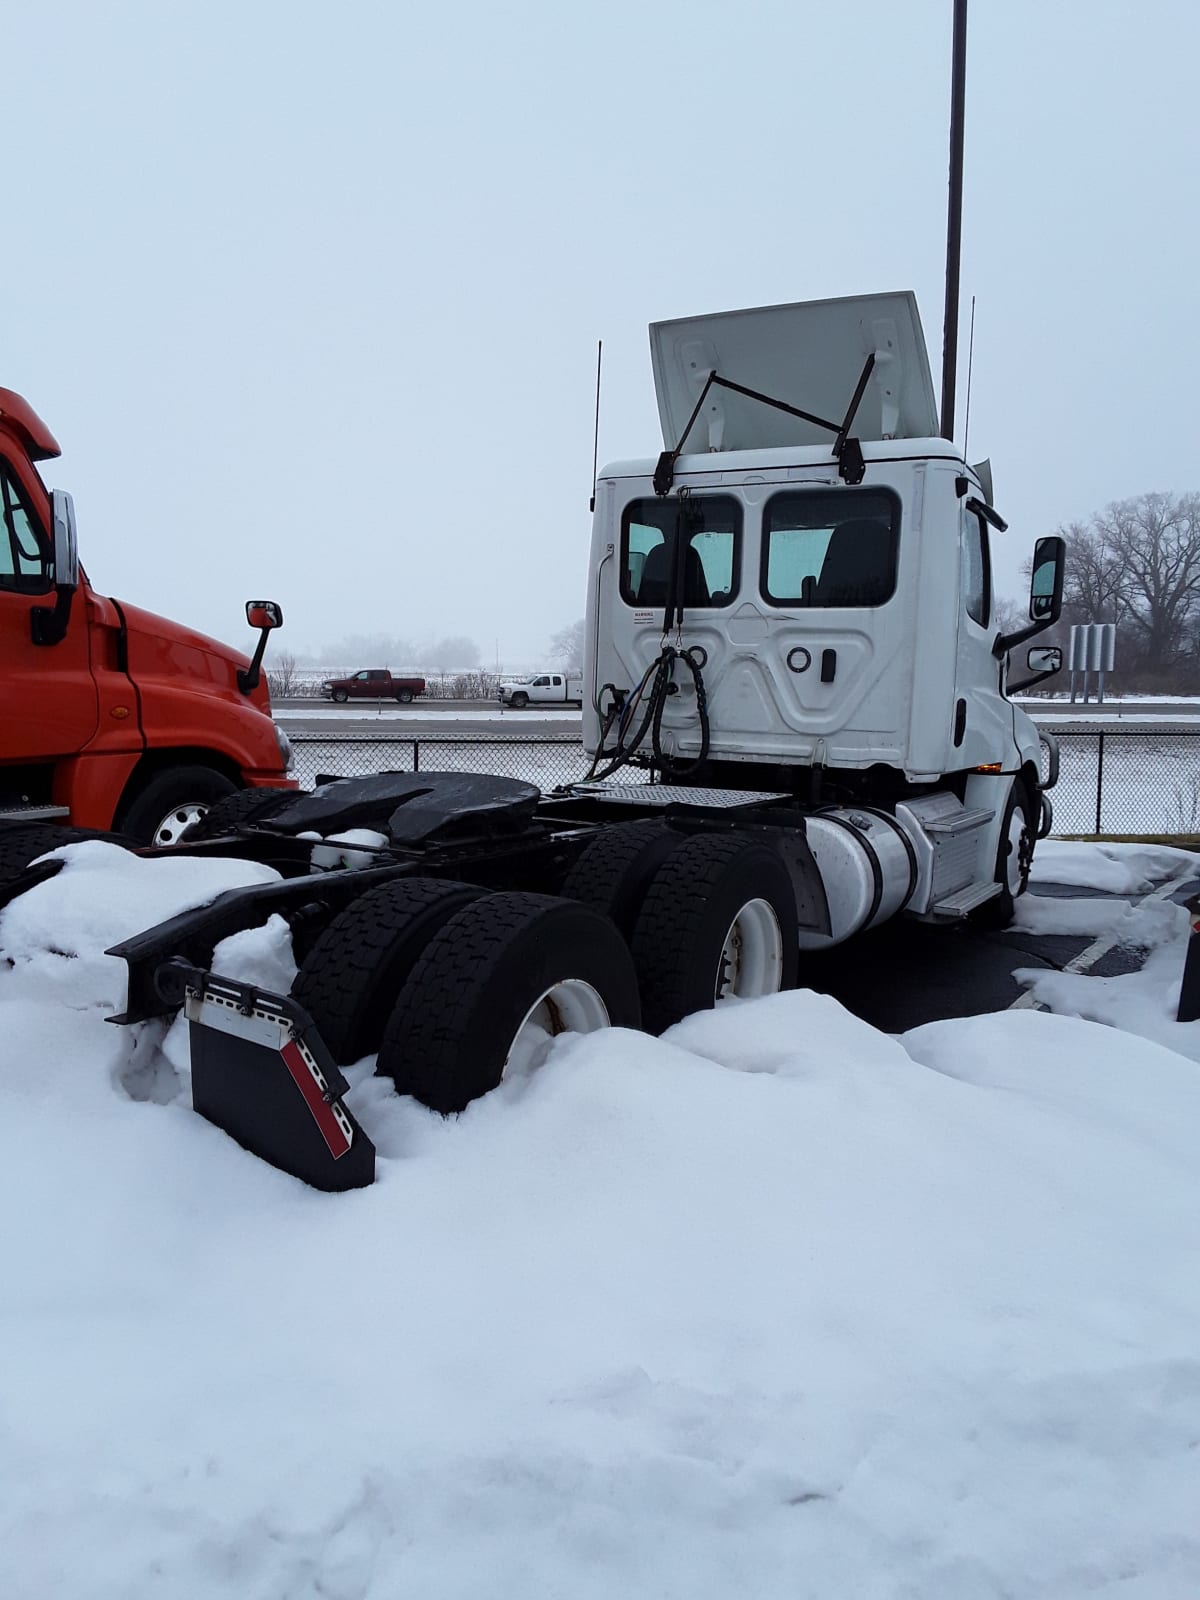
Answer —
262 1073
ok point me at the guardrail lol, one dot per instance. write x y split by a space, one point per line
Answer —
1144 781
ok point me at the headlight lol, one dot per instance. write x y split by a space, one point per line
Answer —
285 747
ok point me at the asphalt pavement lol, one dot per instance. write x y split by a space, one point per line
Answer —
908 973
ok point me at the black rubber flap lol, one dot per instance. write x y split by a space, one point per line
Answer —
411 807
265 1099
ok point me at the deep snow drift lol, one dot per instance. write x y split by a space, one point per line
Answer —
774 1306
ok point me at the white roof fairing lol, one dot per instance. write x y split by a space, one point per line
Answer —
809 355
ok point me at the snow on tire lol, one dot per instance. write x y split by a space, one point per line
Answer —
502 978
719 922
21 843
350 977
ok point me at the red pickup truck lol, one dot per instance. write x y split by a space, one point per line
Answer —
372 684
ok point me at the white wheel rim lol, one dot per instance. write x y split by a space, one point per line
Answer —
1016 835
571 1006
173 826
752 955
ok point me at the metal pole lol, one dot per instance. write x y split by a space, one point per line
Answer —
958 93
1099 780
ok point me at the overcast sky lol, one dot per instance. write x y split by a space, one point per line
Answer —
310 295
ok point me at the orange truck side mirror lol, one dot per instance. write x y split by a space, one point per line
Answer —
264 615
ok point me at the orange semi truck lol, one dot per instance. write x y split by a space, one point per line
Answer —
112 717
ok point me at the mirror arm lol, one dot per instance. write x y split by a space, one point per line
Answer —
248 678
1009 641
1028 683
48 624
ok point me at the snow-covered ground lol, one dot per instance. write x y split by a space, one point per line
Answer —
776 1305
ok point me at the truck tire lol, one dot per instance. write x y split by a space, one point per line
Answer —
340 696
617 868
349 980
501 977
1013 860
519 701
23 842
404 696
172 802
237 809
719 922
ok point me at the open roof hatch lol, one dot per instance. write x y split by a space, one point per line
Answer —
809 358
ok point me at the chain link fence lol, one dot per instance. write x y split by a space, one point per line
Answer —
1140 782
1143 781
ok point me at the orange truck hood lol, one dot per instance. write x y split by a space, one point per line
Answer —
160 647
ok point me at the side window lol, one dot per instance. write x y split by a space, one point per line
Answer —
541 683
830 548
976 570
360 677
377 676
23 564
556 682
711 526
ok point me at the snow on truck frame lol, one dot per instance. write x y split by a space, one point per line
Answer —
789 645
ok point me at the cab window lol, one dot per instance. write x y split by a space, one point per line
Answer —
976 570
830 547
23 563
711 526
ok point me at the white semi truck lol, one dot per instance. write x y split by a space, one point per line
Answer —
824 588
798 718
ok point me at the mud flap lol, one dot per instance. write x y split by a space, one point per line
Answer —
262 1073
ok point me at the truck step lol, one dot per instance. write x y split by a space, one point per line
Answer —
32 813
959 822
964 900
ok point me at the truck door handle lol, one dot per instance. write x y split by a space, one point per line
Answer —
828 665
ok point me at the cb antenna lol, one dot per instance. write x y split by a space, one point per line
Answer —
958 95
596 431
970 367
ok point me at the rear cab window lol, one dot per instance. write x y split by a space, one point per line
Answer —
830 548
711 526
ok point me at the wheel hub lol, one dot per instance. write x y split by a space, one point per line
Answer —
570 1006
751 962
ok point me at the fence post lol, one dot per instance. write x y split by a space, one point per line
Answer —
1099 779
416 755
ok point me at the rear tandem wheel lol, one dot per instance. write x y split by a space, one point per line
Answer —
501 979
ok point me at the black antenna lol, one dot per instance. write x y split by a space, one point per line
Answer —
596 433
958 94
970 368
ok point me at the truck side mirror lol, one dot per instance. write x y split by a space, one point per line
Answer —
1045 596
1046 585
66 541
264 615
48 624
1045 658
1043 662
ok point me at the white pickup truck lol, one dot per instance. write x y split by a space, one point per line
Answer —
542 689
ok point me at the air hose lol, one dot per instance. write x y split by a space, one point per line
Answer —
656 684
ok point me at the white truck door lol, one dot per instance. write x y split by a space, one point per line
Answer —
983 720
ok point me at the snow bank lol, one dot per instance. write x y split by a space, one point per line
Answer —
773 1306
1113 868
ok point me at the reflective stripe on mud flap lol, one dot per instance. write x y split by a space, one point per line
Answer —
263 1074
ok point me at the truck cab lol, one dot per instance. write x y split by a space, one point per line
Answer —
111 717
818 560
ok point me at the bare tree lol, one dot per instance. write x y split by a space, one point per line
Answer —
1156 541
566 647
283 678
1137 563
